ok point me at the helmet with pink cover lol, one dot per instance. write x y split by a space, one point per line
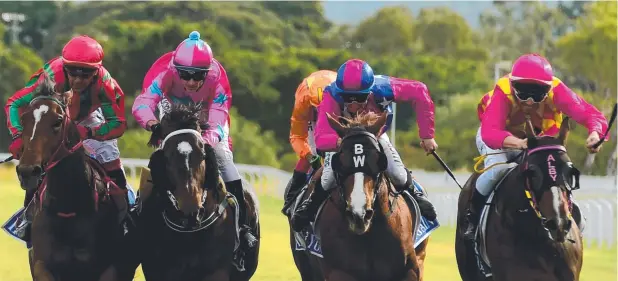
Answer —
531 77
193 54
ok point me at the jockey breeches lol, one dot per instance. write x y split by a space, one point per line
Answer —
225 159
105 152
395 170
488 180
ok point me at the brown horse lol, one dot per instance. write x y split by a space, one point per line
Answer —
366 230
188 224
76 225
529 234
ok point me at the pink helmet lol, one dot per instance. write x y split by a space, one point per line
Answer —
532 68
193 54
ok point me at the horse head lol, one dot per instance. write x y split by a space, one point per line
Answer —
549 179
184 167
358 167
48 135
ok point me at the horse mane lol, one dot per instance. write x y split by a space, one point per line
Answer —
361 120
46 89
180 116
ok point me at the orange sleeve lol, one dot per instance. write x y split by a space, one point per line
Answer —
299 122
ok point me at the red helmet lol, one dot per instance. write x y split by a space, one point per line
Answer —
531 78
532 68
83 51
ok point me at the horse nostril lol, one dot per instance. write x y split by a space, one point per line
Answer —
37 170
368 214
551 224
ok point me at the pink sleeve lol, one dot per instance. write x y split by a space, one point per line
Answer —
581 111
493 125
219 113
325 136
417 94
145 103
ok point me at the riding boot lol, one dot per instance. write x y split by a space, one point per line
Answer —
473 213
306 212
235 187
24 222
427 209
294 187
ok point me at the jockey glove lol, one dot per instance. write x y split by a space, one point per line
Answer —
156 130
15 147
316 162
84 132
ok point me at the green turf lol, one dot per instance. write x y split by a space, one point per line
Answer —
276 263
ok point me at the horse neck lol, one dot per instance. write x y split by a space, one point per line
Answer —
512 200
69 182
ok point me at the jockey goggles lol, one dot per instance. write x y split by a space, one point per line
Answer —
81 72
530 91
196 75
350 98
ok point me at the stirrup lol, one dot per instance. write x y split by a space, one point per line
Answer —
245 232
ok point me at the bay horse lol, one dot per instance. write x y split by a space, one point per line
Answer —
526 231
188 224
366 229
77 210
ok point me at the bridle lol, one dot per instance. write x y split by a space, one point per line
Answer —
203 221
377 178
61 153
530 192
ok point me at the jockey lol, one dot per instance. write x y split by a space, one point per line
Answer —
97 104
350 94
530 87
307 98
191 74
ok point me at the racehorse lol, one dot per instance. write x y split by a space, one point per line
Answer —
77 210
529 232
366 228
188 224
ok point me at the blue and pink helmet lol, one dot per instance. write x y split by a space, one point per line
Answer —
354 77
193 54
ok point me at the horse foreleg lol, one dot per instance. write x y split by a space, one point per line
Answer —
31 262
413 274
40 272
109 274
219 275
421 253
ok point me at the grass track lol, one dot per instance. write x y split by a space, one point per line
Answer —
276 263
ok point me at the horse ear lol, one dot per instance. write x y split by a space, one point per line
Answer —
157 165
376 127
155 138
564 130
338 127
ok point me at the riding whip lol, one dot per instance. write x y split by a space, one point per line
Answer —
6 160
446 168
609 127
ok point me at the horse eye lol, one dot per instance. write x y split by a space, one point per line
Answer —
57 125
